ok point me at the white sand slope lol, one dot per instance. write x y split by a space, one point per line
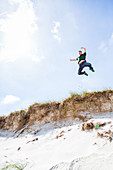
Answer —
93 162
59 147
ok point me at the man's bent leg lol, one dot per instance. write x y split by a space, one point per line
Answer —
80 72
86 64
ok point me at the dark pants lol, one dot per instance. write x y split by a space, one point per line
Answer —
82 65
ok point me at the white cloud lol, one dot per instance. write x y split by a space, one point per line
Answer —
103 47
37 59
106 46
1 44
57 37
55 31
3 13
10 99
111 40
18 28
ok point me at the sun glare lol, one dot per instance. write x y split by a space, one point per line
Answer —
18 27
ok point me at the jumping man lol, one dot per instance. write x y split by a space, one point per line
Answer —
82 62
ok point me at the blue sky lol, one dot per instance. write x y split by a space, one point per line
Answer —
37 40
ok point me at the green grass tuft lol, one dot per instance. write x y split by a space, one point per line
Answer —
15 166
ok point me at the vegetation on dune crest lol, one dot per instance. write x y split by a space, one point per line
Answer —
72 107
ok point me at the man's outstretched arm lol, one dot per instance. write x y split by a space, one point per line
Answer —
84 49
73 59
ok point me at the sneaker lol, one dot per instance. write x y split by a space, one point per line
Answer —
85 74
92 70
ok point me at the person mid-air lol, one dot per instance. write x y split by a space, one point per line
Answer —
82 62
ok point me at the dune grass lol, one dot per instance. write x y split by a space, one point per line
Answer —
14 166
